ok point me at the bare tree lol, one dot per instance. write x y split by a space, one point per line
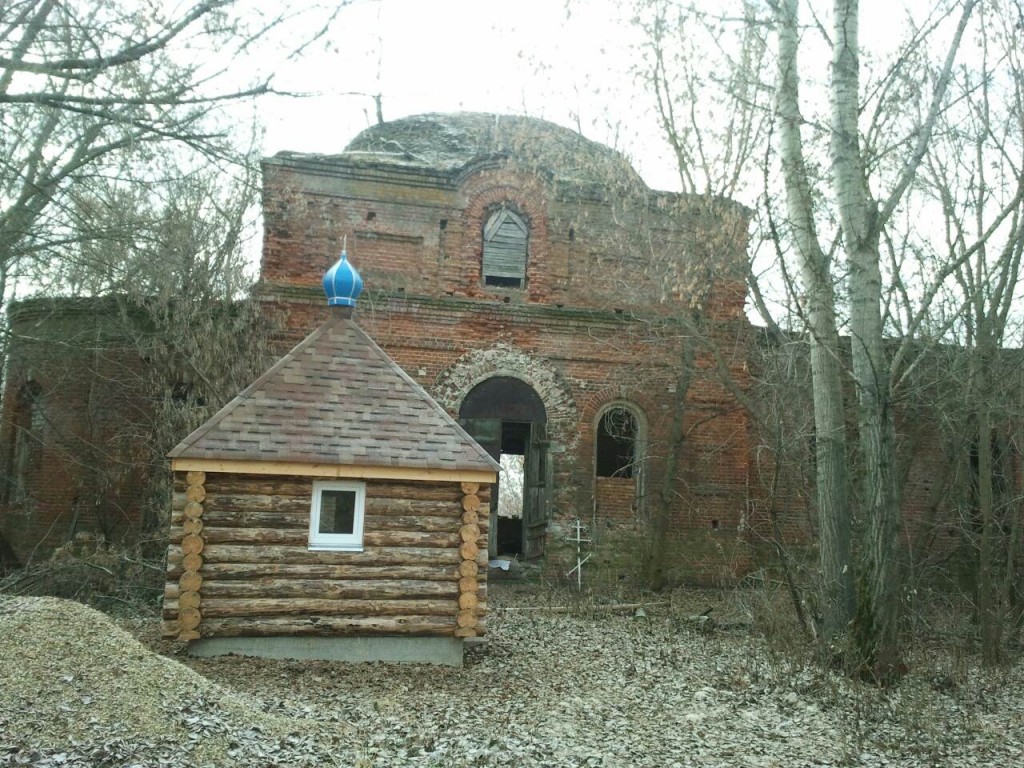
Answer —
872 171
702 68
165 335
979 184
88 91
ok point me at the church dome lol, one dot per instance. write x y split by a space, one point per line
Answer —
452 142
342 283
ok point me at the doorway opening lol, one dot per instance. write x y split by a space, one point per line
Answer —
507 417
515 436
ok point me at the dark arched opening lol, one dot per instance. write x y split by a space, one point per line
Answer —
507 417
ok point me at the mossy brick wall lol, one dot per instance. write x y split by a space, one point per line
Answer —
605 276
410 230
81 470
589 328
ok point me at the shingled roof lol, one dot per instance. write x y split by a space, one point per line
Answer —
338 399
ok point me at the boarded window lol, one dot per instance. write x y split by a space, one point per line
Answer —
505 241
616 444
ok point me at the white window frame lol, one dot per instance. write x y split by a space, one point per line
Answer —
337 542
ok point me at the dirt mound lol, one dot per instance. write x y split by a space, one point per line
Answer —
75 689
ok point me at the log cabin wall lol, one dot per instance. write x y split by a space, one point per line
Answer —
239 563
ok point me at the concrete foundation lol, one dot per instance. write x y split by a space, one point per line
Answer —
395 650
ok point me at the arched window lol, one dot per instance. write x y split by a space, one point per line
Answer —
505 247
617 433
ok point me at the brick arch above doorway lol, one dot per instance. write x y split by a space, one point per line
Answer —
474 367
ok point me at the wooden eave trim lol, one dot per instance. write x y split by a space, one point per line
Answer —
332 470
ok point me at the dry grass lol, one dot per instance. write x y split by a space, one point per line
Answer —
576 687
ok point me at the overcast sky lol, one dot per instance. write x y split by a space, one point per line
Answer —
568 61
528 57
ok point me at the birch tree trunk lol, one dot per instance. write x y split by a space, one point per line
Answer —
876 622
837 592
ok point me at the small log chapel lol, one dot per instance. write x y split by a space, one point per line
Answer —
331 510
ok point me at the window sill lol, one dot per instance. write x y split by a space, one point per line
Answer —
335 547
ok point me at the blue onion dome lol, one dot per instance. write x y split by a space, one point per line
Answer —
342 283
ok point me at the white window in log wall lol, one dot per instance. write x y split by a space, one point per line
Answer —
505 248
336 516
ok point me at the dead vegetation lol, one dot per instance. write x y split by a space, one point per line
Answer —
582 685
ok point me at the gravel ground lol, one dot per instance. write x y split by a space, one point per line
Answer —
583 688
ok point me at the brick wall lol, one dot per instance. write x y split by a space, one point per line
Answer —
615 498
595 321
610 273
78 468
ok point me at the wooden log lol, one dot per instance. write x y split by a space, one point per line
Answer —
252 571
329 625
468 584
468 568
235 502
219 608
192 562
169 628
193 510
190 581
195 477
471 503
298 508
171 591
465 632
189 634
410 539
467 601
255 518
189 600
422 523
195 493
169 610
189 618
470 488
192 527
469 533
270 553
297 537
388 506
465 619
302 487
375 505
469 550
367 589
471 517
192 544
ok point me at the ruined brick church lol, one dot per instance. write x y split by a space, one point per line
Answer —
531 282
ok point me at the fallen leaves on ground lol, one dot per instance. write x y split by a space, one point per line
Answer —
548 689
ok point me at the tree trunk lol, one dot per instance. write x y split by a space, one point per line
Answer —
837 592
654 566
876 627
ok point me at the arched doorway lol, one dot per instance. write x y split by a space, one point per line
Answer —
507 417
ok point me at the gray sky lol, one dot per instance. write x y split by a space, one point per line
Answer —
530 57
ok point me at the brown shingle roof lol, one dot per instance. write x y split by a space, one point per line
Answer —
337 399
